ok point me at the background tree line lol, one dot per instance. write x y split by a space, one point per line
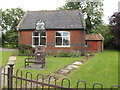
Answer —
10 19
92 11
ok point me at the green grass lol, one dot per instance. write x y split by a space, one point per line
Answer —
102 68
4 56
52 64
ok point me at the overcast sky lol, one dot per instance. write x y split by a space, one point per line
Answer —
110 6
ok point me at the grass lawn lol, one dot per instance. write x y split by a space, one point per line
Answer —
52 64
102 68
4 56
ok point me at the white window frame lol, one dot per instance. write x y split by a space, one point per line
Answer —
39 39
62 39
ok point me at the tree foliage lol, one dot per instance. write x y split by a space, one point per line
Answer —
104 30
92 13
115 28
10 19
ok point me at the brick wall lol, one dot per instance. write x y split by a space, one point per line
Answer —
76 40
94 46
25 37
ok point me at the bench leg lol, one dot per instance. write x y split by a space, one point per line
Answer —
25 64
42 65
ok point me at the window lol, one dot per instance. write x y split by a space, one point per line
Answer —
39 39
62 39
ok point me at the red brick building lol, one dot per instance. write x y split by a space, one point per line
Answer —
94 42
64 30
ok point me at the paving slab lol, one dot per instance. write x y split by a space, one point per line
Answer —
64 71
71 67
77 63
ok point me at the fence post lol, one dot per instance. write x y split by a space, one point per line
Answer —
10 73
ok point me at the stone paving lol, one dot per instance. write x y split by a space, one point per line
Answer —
66 70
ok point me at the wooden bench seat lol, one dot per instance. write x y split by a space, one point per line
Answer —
39 58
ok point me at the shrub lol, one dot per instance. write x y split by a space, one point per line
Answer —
68 54
75 54
24 49
48 54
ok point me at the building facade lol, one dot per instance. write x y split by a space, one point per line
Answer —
64 30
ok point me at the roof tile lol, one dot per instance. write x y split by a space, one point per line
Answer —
56 19
94 37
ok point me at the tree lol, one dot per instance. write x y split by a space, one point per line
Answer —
92 12
11 37
115 28
10 19
104 30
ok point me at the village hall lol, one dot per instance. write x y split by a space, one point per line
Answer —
58 30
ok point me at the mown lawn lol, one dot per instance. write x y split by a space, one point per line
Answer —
4 56
52 64
102 68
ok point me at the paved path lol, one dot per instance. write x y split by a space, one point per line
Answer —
66 70
7 49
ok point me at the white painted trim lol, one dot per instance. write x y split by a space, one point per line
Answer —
39 40
62 39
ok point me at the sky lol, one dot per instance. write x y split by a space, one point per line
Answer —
110 6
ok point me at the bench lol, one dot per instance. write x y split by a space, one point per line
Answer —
38 58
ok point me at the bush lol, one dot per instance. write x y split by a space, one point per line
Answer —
68 54
48 54
24 49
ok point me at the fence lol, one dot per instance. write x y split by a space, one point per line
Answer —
17 81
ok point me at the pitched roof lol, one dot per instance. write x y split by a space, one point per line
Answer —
94 37
56 19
